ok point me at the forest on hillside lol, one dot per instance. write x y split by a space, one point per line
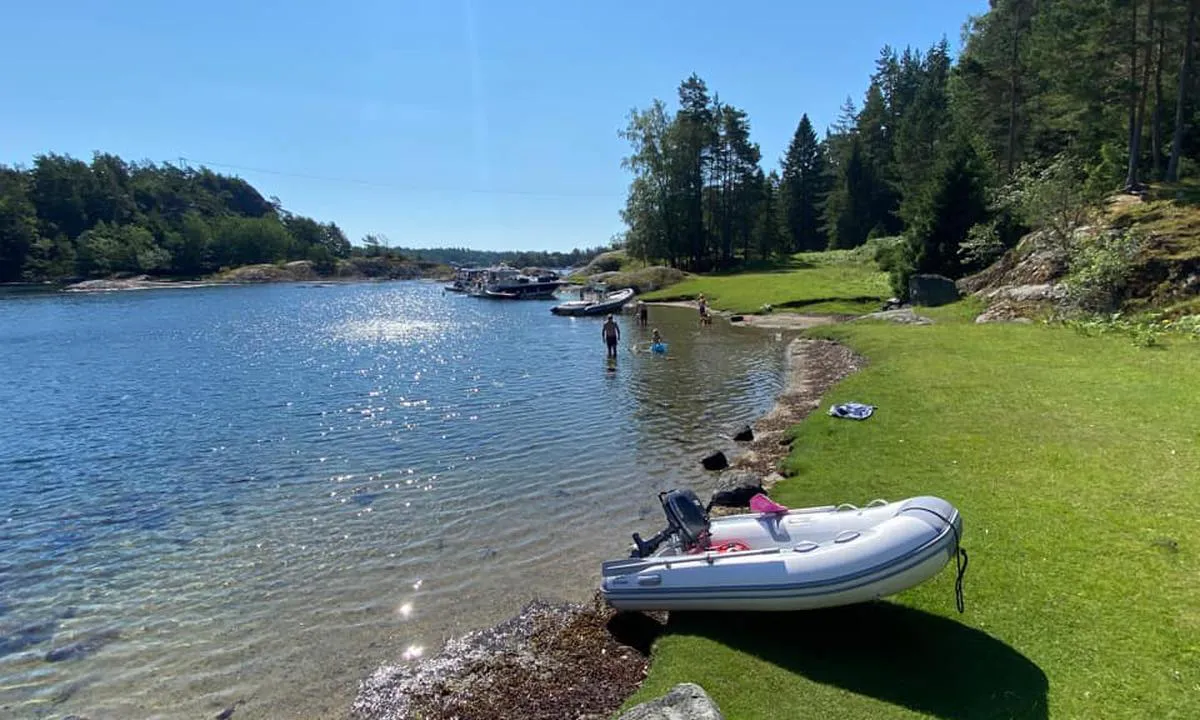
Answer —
1084 97
65 218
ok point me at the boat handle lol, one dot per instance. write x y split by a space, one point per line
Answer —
845 506
877 502
650 580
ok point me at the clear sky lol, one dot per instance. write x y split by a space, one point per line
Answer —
480 123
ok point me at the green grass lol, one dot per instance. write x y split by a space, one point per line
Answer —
835 282
1076 464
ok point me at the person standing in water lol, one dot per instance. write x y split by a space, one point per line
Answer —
643 313
612 335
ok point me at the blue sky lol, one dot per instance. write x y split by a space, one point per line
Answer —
472 123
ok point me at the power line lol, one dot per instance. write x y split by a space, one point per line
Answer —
395 186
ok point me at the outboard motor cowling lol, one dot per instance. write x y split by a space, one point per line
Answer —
685 513
686 519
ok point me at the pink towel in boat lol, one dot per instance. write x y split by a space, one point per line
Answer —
762 504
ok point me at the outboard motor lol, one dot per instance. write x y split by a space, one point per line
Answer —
686 519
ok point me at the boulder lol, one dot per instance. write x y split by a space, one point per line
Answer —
744 434
716 461
903 315
738 497
731 479
932 290
686 701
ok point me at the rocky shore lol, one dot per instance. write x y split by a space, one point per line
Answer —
354 270
813 367
556 661
551 661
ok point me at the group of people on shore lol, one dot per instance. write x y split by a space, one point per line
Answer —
611 331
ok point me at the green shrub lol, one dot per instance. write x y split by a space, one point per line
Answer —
983 245
1099 268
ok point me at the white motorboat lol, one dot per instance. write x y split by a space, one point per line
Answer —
609 303
795 560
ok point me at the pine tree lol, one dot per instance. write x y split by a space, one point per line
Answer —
953 201
803 189
848 212
768 236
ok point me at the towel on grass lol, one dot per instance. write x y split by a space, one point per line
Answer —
852 411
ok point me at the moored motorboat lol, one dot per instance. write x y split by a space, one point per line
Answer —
609 303
507 283
794 560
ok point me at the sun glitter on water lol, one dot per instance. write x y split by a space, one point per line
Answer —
386 330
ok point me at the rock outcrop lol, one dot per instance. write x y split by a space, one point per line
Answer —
902 315
686 701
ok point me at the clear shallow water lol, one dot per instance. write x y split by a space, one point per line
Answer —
262 493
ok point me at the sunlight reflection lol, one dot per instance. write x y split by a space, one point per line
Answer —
385 330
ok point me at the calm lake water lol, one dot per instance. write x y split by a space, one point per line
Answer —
262 493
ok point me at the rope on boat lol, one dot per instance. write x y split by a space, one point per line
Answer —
960 557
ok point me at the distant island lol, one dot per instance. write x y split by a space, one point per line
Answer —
112 224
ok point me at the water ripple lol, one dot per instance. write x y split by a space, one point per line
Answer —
262 492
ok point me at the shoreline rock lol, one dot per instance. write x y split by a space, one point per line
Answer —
685 700
550 661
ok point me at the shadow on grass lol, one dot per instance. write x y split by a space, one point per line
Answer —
903 656
843 298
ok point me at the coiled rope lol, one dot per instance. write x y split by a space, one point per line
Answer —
960 556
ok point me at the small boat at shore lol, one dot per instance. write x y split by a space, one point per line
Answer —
798 559
609 303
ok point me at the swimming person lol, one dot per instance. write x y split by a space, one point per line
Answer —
612 335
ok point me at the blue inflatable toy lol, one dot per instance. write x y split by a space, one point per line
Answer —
660 348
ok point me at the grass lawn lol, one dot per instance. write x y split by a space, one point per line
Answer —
835 282
1075 462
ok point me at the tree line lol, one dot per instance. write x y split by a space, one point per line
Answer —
1097 93
467 257
65 218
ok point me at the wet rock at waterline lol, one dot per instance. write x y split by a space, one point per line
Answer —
686 701
716 461
82 648
737 478
744 434
551 661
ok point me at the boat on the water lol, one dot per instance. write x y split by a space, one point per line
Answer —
608 303
464 279
507 283
797 559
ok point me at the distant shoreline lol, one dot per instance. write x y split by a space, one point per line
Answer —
365 270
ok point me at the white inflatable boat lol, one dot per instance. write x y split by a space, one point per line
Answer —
795 560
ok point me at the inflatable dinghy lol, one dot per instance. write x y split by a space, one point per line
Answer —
798 559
